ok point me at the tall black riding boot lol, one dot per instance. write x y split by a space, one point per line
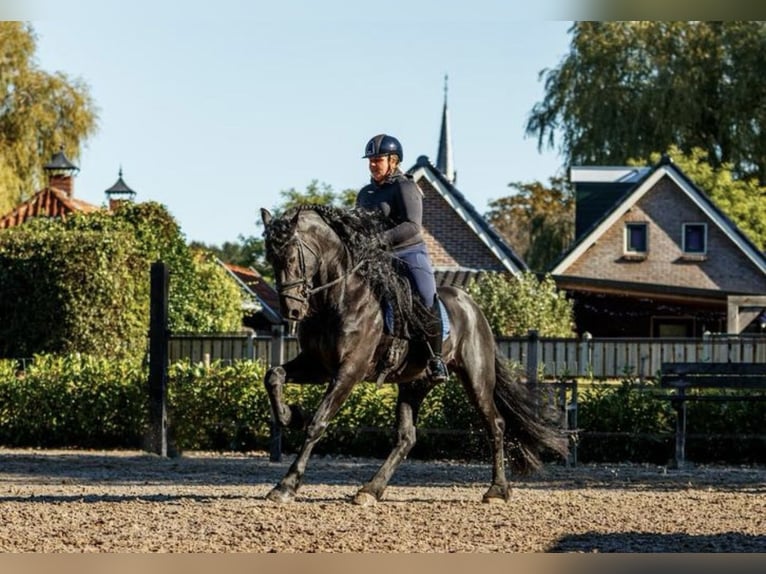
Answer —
437 370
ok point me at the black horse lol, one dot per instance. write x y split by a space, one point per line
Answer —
337 283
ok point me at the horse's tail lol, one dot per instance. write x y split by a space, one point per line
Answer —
526 425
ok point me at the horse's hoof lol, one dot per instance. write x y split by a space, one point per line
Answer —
365 499
280 495
496 495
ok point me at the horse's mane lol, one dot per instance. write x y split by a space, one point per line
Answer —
358 230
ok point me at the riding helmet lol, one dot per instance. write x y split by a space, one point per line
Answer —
383 144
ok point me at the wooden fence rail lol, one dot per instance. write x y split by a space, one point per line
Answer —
551 358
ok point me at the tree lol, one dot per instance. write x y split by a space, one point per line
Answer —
315 194
515 304
201 297
251 251
628 89
40 113
537 221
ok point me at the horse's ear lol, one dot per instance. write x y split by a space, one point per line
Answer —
265 216
294 220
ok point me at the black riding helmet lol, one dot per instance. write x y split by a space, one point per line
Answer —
383 144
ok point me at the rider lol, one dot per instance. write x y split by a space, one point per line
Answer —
397 196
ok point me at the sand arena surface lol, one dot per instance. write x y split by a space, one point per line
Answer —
130 501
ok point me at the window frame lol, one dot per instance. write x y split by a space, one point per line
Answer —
684 248
626 246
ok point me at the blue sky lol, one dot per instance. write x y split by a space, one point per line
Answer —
213 113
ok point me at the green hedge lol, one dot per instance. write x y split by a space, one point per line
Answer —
626 421
82 284
83 401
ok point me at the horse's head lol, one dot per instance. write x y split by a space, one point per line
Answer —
294 261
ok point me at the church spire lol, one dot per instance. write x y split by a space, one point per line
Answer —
444 156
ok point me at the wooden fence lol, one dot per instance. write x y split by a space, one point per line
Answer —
544 358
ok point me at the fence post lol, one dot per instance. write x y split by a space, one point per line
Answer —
250 346
277 357
533 347
585 359
158 359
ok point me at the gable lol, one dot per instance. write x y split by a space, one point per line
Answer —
664 201
459 240
598 189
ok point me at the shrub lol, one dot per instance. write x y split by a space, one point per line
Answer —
73 400
82 285
79 400
218 407
624 422
514 305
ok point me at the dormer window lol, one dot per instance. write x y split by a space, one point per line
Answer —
636 238
694 238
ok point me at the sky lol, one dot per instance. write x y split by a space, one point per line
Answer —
214 112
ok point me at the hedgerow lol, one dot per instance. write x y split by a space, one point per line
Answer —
85 401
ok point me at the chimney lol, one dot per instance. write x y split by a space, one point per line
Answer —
61 172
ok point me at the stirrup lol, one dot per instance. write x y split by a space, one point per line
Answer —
437 370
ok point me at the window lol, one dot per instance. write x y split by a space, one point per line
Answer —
695 238
635 238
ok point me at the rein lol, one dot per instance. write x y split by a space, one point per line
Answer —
307 290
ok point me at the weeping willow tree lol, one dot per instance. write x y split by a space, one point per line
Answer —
628 89
40 113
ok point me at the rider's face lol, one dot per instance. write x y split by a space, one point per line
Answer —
379 167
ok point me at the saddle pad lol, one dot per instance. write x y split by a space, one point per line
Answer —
388 316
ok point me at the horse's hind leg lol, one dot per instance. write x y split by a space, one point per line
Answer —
410 398
479 384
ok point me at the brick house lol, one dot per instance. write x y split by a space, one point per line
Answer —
653 256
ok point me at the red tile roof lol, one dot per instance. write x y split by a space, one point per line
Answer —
254 282
48 202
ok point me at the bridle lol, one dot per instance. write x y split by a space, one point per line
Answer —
304 284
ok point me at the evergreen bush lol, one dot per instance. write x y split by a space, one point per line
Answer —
85 401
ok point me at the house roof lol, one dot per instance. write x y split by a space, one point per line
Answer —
646 180
460 241
48 202
255 286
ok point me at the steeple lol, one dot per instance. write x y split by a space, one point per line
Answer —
444 156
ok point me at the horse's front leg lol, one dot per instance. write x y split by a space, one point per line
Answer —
298 371
409 400
337 392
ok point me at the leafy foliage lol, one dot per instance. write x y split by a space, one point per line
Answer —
221 407
82 285
537 221
514 305
250 251
40 113
73 400
79 400
630 88
63 291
